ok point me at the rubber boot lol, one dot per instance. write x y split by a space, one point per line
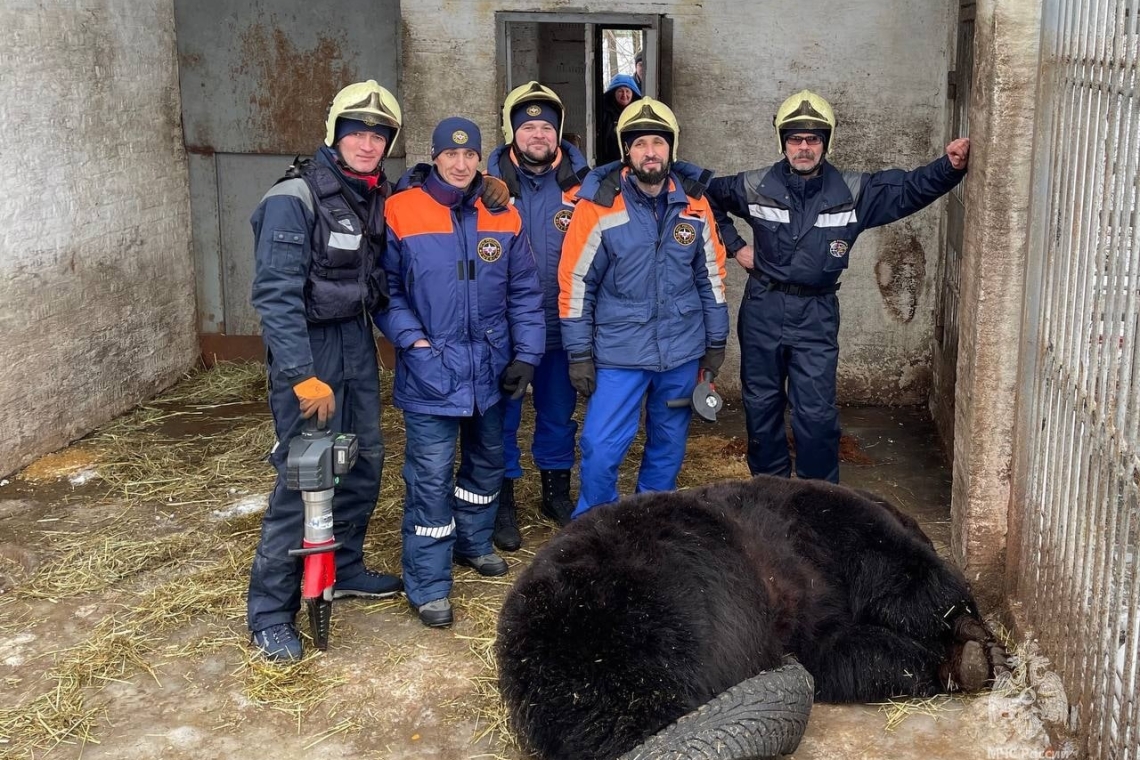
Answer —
506 536
556 502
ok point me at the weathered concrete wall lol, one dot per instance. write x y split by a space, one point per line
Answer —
95 266
997 201
883 66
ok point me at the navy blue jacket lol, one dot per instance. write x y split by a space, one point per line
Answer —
804 229
545 202
285 228
464 279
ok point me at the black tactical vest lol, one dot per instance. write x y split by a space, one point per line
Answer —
345 276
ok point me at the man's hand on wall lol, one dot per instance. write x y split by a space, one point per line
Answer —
959 153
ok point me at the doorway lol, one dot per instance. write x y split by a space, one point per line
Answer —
577 54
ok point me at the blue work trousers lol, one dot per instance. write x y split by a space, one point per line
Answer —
554 399
444 512
612 417
344 357
789 351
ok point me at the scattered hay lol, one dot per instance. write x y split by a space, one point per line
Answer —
93 562
897 711
142 466
291 688
224 383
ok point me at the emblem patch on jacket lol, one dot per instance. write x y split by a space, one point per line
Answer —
489 250
838 248
562 219
685 234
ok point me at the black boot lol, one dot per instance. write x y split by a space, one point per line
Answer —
506 535
556 502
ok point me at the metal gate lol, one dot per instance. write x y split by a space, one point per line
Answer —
945 355
1076 516
256 79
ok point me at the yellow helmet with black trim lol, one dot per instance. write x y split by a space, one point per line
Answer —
531 92
647 115
805 110
367 102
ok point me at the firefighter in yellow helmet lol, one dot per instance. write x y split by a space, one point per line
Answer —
318 241
805 215
642 304
543 172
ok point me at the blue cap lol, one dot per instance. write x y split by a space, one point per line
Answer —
532 111
348 126
456 132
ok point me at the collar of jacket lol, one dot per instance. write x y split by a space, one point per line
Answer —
829 182
674 193
452 197
358 186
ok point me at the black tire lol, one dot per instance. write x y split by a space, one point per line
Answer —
763 717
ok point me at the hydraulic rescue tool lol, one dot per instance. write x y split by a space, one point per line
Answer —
317 459
706 402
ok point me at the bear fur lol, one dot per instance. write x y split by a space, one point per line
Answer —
639 612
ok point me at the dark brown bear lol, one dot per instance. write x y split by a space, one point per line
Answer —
641 611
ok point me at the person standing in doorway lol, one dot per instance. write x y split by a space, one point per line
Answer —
319 237
543 173
805 216
466 321
642 304
620 92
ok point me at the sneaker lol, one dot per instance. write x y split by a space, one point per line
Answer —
279 643
490 565
369 584
435 614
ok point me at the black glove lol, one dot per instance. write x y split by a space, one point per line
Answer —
516 377
495 195
713 358
582 376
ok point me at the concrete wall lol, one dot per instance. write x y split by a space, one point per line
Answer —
993 280
95 269
883 66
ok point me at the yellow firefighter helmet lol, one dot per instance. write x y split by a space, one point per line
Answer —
531 92
647 115
805 111
367 102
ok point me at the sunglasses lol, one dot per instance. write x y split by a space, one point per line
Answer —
803 139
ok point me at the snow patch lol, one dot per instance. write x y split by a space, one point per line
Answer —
256 503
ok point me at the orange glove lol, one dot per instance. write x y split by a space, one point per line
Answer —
315 397
495 194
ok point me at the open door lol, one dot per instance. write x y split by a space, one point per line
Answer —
576 55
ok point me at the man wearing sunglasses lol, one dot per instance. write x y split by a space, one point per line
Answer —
805 215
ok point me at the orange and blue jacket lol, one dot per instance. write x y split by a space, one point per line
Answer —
465 280
640 291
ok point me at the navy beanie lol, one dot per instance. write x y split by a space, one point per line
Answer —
456 132
348 126
533 111
628 138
